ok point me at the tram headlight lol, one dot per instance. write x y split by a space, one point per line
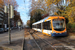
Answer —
65 31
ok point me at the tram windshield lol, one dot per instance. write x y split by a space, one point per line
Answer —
58 24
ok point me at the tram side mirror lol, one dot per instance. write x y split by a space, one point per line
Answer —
67 20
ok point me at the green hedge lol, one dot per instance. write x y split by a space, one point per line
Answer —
71 27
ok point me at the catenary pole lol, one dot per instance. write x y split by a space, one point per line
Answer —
9 23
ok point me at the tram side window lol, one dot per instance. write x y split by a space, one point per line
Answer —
47 25
44 25
50 26
35 26
32 26
39 26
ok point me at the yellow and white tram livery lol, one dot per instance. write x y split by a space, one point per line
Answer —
51 25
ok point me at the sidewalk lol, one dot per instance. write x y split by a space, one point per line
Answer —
4 48
16 43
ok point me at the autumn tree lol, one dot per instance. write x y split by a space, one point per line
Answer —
36 11
52 5
50 2
35 15
67 11
11 2
17 16
38 8
28 23
70 11
39 4
15 5
46 5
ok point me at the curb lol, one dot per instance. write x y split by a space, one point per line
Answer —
23 43
6 48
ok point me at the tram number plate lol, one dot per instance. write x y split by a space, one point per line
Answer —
59 33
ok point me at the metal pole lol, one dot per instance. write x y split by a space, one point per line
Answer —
9 23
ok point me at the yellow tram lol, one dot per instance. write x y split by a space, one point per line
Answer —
51 25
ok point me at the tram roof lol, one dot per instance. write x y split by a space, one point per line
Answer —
41 20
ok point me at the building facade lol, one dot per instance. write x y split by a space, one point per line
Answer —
1 16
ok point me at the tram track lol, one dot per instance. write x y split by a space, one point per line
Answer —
30 43
66 41
42 46
51 44
35 42
44 43
57 42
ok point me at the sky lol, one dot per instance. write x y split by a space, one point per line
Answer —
23 8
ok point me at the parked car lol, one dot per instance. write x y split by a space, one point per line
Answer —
12 28
8 29
5 29
1 30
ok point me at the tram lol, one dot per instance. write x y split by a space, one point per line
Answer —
51 25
